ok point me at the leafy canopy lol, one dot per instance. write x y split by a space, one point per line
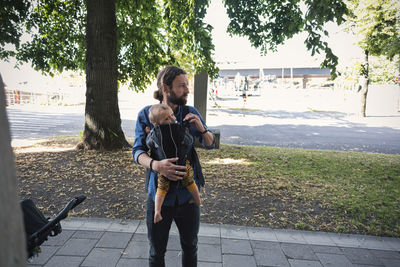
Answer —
12 14
158 32
270 23
377 25
150 33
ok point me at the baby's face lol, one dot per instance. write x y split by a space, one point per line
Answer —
167 116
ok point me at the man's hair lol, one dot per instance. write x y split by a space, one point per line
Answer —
155 112
166 76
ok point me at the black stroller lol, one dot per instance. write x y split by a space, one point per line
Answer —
38 228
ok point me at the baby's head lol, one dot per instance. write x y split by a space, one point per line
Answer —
161 114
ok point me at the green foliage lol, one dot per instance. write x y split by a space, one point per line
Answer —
12 13
188 37
57 30
270 23
382 70
149 34
377 25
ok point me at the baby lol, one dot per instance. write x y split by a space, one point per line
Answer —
169 139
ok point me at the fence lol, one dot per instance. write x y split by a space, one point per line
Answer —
16 97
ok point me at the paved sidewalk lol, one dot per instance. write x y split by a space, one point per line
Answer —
106 242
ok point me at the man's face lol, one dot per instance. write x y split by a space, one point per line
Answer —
179 91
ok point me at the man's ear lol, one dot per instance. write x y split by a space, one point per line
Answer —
165 89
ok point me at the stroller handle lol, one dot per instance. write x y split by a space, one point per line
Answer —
78 200
60 216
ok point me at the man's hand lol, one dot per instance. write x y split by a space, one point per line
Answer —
195 121
169 169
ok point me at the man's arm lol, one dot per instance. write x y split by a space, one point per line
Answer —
166 167
197 122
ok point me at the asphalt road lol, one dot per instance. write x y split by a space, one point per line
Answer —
278 127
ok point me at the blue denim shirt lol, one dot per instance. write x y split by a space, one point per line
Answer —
179 193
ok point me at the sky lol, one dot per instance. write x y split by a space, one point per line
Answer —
292 54
227 49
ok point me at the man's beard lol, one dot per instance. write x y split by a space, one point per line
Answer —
180 101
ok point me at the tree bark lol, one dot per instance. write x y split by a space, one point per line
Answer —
364 88
102 118
13 243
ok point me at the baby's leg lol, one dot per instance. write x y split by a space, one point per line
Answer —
189 183
162 189
195 193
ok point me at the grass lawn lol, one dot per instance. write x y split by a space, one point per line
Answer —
315 190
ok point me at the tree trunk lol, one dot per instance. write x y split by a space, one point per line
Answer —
364 89
12 245
102 118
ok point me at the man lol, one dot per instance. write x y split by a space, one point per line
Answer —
178 204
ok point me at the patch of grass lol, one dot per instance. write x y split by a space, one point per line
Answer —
323 111
245 109
362 190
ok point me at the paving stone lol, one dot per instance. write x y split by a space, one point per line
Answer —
304 263
173 258
235 246
208 264
64 261
114 240
88 234
317 238
77 247
140 237
334 260
142 228
209 253
209 230
390 262
261 234
45 255
209 240
238 261
326 249
361 256
270 257
343 240
289 236
394 243
59 239
139 250
72 223
102 257
373 242
96 224
386 254
235 232
365 265
265 245
124 226
298 251
174 229
123 262
174 243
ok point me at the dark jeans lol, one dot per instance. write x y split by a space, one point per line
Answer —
187 219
